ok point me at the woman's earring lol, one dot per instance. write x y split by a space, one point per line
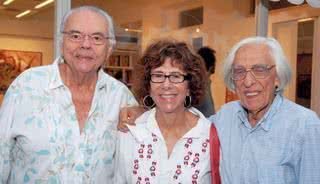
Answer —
148 102
187 101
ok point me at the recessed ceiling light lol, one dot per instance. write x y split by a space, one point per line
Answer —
44 3
23 13
7 2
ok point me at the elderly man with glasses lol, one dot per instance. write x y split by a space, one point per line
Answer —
264 137
58 122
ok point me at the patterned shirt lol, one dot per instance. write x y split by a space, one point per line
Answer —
40 139
142 155
283 148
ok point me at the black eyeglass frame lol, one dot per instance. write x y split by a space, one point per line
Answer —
185 77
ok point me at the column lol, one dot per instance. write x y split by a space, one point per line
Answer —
261 17
61 7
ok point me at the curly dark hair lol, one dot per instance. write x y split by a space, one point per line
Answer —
179 53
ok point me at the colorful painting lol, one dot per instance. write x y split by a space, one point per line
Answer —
12 63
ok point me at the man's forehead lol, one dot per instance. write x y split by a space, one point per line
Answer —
254 54
86 19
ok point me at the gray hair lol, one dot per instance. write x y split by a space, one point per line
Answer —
97 10
281 63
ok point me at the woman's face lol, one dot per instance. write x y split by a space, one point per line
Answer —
169 95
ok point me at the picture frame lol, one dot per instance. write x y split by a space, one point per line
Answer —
13 62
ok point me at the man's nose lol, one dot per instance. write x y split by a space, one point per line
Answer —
86 43
249 79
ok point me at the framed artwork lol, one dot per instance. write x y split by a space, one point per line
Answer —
13 62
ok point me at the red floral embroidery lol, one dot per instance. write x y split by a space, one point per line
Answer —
190 160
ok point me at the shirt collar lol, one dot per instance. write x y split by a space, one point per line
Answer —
143 131
57 82
264 123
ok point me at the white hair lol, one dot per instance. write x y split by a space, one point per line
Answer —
104 14
281 64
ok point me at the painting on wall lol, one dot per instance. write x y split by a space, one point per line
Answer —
13 62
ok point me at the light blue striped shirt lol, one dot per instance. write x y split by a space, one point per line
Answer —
283 148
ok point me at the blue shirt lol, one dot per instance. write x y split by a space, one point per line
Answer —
283 148
40 139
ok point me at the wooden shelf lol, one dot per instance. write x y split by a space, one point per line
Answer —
120 66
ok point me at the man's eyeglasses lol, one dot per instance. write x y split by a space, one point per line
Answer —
78 37
174 77
260 71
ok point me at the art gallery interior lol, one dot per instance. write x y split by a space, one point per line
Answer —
218 24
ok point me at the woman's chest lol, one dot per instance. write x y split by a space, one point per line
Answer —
188 161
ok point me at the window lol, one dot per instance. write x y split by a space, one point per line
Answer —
191 17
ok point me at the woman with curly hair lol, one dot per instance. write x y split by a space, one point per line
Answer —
170 142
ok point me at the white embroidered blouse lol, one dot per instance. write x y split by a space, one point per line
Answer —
142 156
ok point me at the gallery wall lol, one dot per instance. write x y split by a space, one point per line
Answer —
224 24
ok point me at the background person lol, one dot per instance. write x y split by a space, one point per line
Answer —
58 122
208 56
170 142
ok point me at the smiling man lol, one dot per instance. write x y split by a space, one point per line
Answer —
265 138
58 122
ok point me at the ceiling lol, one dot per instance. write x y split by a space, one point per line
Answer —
18 6
47 12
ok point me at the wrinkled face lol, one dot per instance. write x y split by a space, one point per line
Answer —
85 56
255 94
169 97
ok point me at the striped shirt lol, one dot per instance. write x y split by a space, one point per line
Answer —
284 146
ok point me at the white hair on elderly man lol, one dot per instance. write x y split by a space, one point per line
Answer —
276 52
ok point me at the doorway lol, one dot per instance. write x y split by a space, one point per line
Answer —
304 63
297 37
